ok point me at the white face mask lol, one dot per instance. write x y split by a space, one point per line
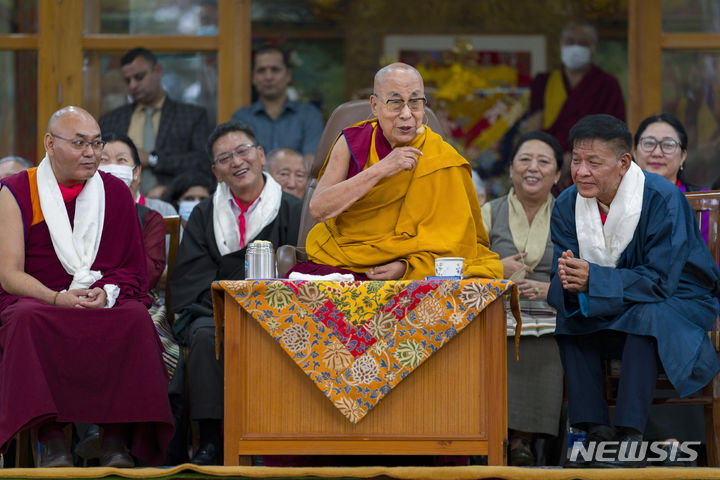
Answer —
123 172
185 208
575 57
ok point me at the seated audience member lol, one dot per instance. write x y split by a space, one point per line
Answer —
12 165
289 169
661 147
156 192
120 158
518 226
187 190
158 204
393 195
129 157
77 342
276 120
247 205
632 279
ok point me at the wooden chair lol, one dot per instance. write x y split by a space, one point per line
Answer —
343 116
705 204
172 228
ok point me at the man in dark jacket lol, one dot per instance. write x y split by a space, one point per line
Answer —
248 205
170 135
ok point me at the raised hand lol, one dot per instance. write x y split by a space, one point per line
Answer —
401 158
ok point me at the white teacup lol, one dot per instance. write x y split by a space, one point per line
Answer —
449 266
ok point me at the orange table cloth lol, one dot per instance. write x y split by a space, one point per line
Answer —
357 340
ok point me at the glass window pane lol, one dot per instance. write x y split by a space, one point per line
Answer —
691 91
18 104
187 77
311 33
18 16
154 17
691 16
318 72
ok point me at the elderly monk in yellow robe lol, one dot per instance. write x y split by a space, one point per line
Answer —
393 195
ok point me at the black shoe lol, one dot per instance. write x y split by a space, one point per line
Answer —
671 458
114 454
629 448
55 453
595 433
206 455
521 455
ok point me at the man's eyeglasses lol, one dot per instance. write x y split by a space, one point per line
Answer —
80 145
396 105
667 145
241 151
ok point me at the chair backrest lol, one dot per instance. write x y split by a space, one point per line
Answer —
709 202
172 228
707 209
343 116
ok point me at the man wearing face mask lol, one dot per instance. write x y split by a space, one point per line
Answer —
560 98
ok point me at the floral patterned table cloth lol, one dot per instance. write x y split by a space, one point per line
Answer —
358 340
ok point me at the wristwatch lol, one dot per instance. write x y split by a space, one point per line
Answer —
152 159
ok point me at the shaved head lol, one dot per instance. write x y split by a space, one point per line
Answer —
392 68
73 144
67 113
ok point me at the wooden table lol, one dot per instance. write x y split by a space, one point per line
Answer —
273 408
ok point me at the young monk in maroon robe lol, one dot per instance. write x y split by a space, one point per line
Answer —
76 341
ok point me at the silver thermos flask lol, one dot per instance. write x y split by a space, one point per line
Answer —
260 260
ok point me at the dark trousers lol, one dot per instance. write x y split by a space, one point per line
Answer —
582 356
204 371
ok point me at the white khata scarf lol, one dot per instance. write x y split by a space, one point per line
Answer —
225 222
603 244
76 247
526 237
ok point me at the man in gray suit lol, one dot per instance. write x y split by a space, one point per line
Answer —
170 135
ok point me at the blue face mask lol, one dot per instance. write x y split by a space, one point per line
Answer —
185 208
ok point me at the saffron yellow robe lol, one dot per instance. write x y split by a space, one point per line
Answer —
414 216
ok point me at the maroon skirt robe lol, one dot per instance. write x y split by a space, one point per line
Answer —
84 365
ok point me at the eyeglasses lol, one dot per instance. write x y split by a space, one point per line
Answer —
396 105
241 151
667 145
80 145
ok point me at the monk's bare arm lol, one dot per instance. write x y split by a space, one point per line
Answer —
335 192
13 278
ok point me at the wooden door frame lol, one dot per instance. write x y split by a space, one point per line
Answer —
646 43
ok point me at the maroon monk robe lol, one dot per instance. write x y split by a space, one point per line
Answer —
597 92
84 365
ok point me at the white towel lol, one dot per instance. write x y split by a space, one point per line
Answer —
333 277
